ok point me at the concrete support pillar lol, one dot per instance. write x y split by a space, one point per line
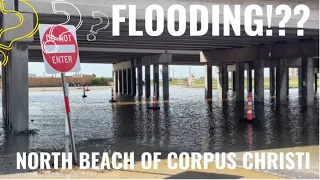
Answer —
308 80
228 81
272 80
156 79
223 81
165 81
300 81
15 93
147 80
124 81
120 80
208 80
133 81
240 81
140 85
316 83
219 88
115 81
129 83
259 81
288 79
233 81
282 82
249 77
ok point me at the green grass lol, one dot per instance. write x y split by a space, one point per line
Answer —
293 82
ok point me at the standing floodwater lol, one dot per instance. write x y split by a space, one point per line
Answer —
186 123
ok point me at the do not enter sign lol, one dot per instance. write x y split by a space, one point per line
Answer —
59 48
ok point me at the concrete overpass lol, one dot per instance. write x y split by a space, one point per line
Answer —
129 54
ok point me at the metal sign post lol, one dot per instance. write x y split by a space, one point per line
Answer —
67 137
67 106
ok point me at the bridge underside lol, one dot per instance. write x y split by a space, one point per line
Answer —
185 49
129 54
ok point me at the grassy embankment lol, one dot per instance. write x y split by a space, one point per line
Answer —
293 83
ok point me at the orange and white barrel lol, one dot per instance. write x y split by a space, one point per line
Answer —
112 94
249 110
154 100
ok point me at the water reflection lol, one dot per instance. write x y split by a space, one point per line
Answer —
13 144
186 123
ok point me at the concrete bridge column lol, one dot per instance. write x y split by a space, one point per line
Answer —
165 81
219 87
124 81
300 81
288 88
240 81
156 79
129 83
249 77
133 81
223 81
308 80
15 93
272 80
208 80
282 81
316 83
233 81
120 81
140 85
147 80
115 81
259 81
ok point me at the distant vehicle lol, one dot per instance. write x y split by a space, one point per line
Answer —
71 84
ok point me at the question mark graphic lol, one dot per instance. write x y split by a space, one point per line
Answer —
21 20
52 38
286 18
305 17
92 36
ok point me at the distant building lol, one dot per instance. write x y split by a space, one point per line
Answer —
293 72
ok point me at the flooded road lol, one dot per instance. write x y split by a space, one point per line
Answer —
186 123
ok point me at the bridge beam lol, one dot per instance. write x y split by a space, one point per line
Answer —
275 51
156 59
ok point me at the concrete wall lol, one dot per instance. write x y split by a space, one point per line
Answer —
52 82
49 81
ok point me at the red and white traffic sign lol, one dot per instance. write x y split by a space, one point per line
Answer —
59 48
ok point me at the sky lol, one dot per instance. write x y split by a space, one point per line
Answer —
105 70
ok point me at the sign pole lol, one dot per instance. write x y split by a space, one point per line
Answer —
66 101
67 137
